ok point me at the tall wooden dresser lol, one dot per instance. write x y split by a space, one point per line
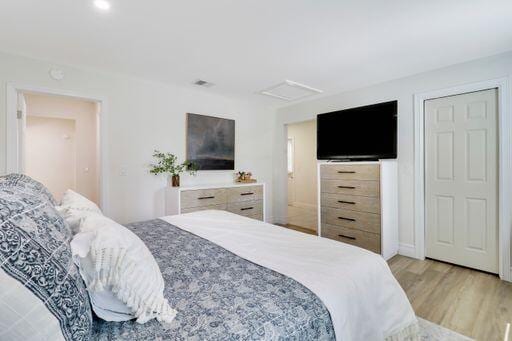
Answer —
358 205
243 199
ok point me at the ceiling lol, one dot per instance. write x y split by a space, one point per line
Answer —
246 46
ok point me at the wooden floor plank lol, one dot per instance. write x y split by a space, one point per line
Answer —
470 302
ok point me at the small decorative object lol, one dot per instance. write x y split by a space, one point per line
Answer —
167 163
211 142
244 177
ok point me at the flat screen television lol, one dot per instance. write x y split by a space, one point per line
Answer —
363 133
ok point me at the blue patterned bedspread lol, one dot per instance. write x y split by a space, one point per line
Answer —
220 296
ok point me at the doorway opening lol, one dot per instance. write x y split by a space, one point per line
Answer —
58 143
302 209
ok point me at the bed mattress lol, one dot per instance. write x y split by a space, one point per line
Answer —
220 296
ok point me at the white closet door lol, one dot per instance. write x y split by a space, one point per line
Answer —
461 186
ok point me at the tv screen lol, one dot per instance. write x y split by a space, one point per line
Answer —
363 133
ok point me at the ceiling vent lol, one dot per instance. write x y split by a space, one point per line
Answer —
203 83
290 91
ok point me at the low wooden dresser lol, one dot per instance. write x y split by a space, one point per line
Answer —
243 199
352 207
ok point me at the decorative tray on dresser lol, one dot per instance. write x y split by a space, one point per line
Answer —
358 204
247 199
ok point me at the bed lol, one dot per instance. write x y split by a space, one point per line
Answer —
235 278
227 276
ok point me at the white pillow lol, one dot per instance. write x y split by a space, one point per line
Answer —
113 259
105 303
74 207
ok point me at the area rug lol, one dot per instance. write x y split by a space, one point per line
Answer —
433 332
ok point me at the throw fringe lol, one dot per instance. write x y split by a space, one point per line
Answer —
141 289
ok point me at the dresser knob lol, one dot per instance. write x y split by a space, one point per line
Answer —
346 202
348 219
347 237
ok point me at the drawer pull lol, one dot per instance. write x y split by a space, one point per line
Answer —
348 237
346 202
346 172
347 187
247 193
246 208
203 198
349 219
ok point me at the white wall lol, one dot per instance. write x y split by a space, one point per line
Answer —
142 116
304 182
50 153
402 90
84 114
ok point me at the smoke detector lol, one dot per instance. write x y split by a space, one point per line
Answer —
203 83
56 74
290 91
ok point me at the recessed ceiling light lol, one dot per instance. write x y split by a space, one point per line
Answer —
102 5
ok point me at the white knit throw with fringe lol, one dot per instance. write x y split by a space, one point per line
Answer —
123 264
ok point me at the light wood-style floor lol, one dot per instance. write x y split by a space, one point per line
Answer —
470 302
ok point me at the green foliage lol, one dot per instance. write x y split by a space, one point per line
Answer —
167 163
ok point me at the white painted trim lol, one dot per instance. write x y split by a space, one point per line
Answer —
319 197
505 166
407 250
13 164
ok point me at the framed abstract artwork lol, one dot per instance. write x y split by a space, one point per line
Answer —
211 142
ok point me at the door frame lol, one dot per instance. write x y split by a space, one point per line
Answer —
13 160
504 166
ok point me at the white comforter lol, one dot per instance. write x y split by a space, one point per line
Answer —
364 299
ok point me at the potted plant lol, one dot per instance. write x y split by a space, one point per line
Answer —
167 163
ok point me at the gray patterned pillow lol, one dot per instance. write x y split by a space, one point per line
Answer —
42 295
26 184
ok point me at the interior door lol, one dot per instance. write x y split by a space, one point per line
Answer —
461 186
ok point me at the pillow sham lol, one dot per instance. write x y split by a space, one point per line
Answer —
74 207
25 184
113 259
42 295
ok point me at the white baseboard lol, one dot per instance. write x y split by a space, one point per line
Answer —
508 277
408 250
277 220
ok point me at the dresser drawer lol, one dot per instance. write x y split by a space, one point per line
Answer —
203 197
245 193
365 240
257 216
350 172
369 222
351 202
222 207
247 208
355 187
